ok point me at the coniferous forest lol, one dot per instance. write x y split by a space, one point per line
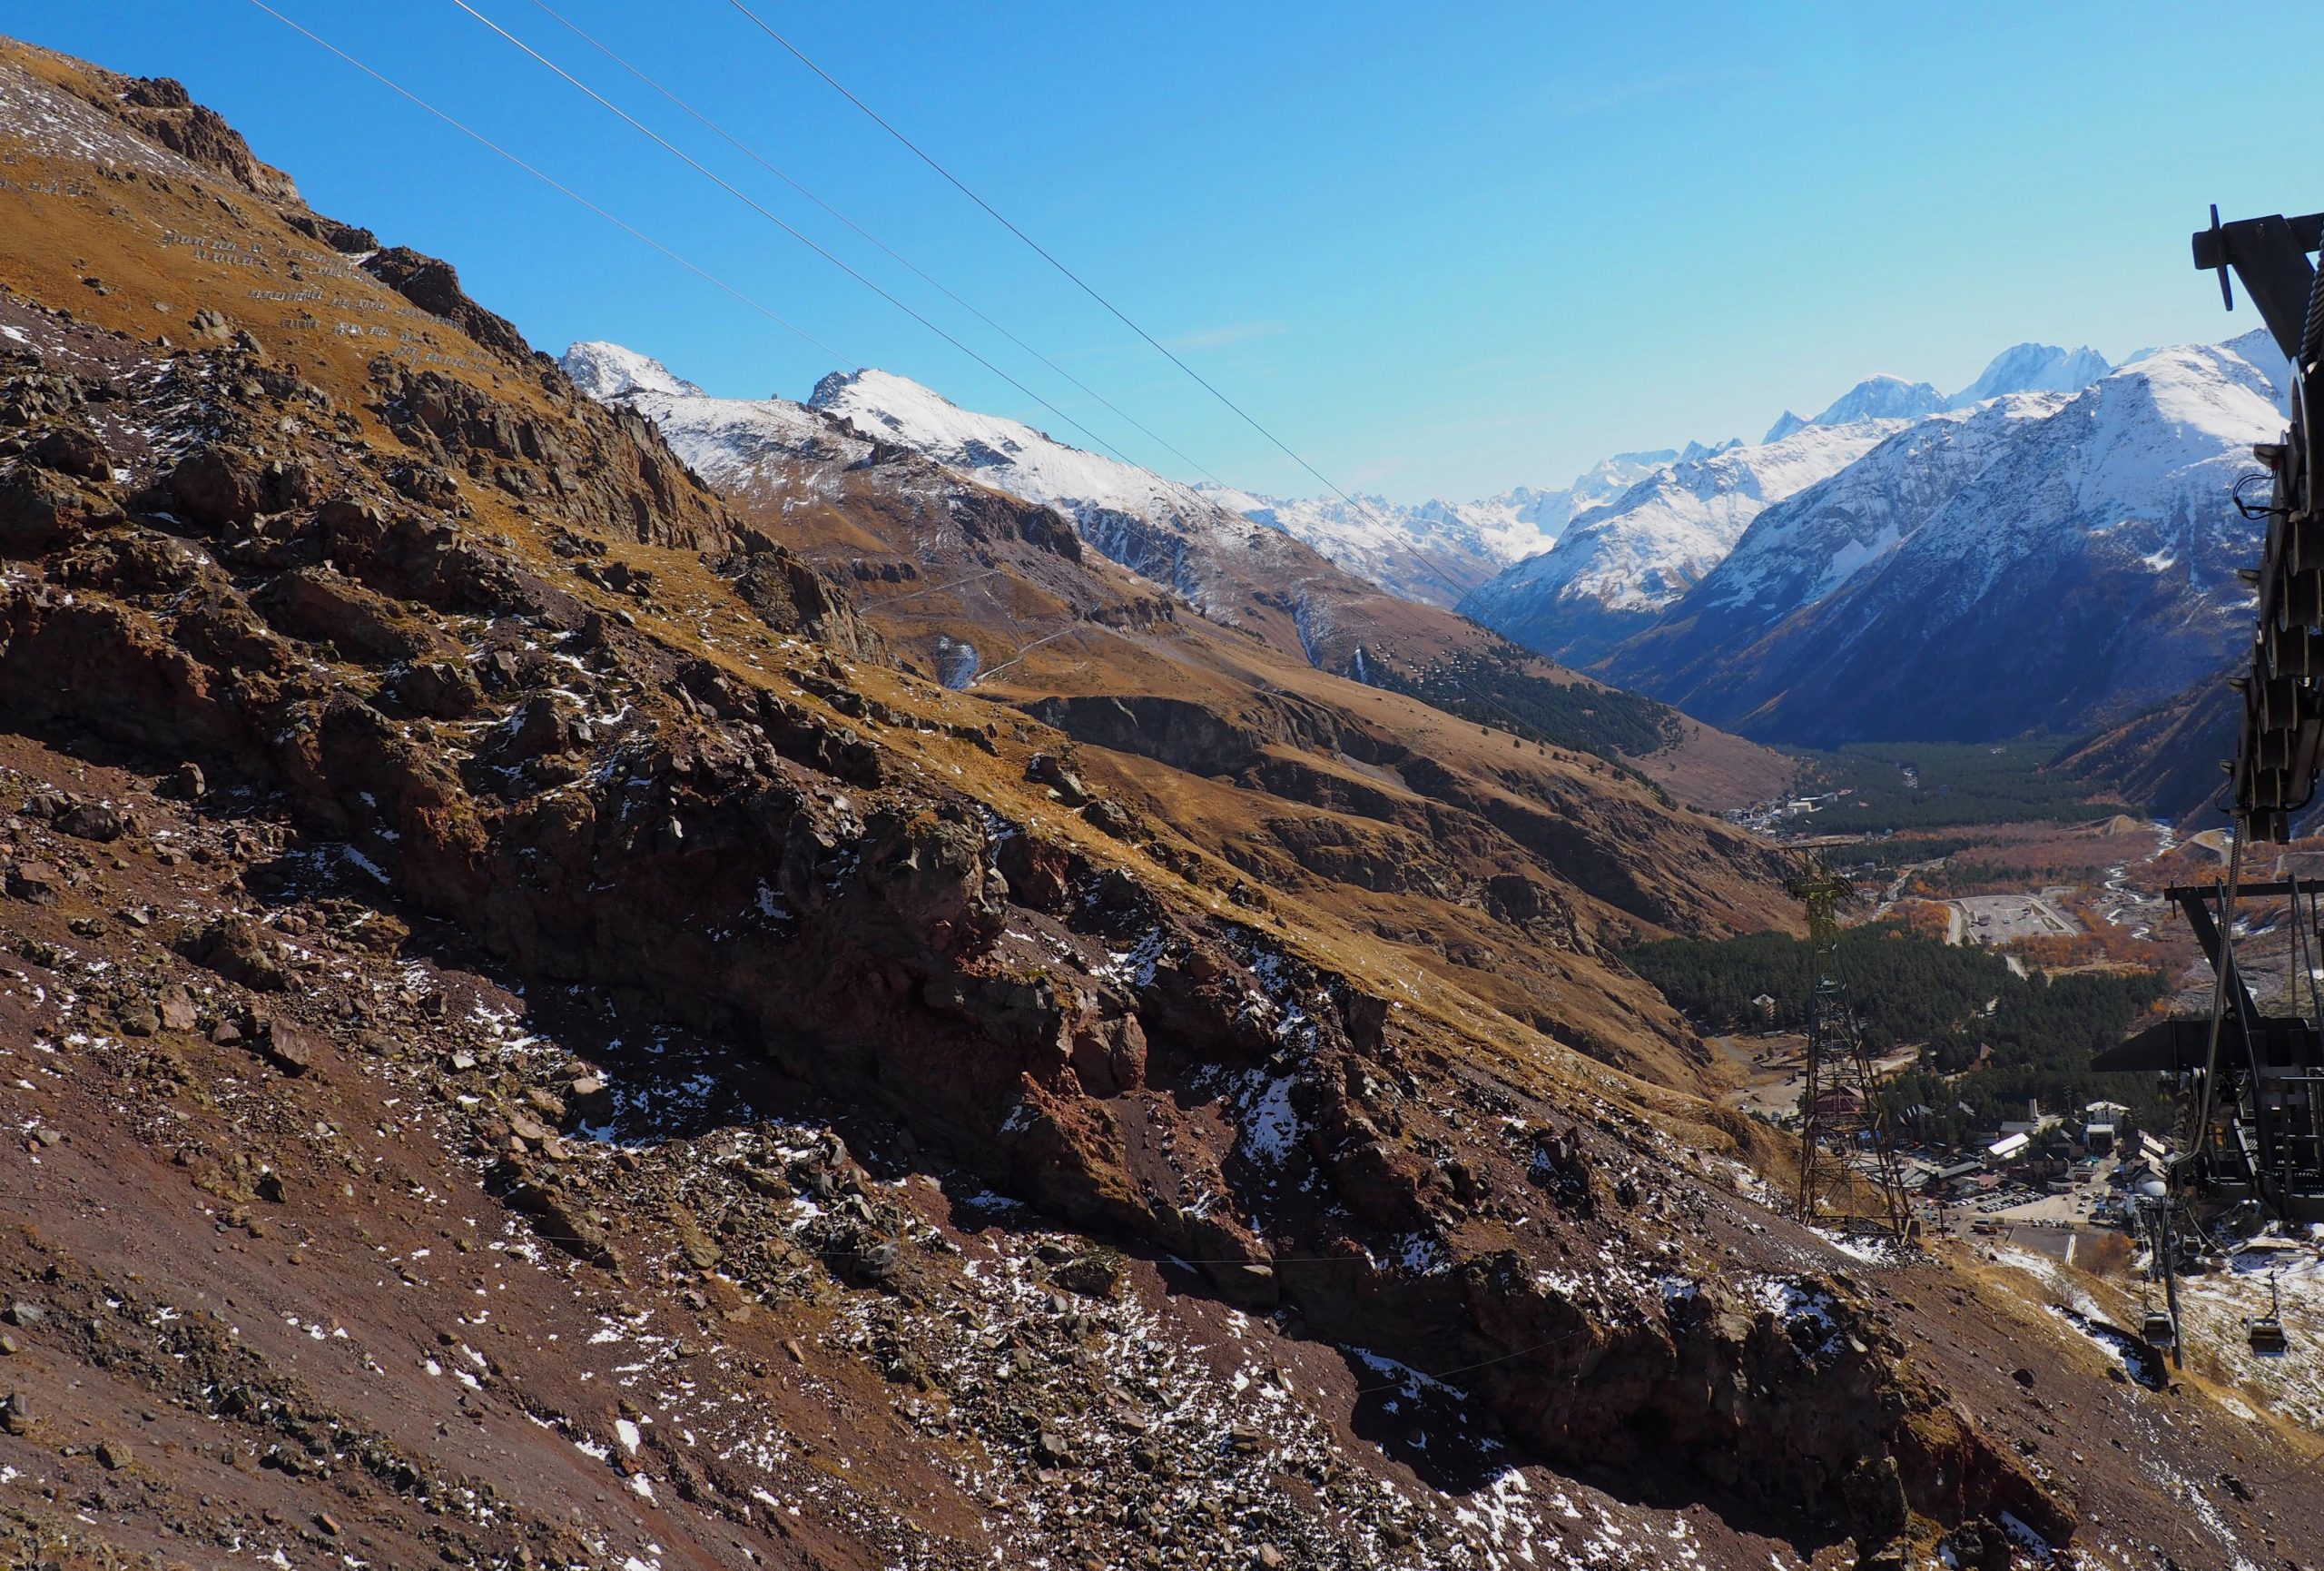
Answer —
1988 1038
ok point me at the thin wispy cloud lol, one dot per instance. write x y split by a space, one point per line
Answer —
1230 333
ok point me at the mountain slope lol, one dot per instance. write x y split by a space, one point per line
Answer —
1617 564
1805 546
2033 564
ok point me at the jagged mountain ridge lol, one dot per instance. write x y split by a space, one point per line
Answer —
1612 575
1438 551
1229 569
2040 562
1619 564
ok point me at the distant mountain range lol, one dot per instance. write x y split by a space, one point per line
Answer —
2050 549
1439 551
1619 565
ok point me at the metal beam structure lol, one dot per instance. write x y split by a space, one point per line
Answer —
1844 1146
2279 742
2252 1083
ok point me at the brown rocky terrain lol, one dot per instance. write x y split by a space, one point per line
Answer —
535 1037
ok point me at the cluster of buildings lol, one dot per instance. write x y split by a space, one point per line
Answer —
2043 1153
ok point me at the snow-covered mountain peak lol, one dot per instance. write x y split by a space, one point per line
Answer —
2034 368
2256 348
1876 398
605 372
724 441
1618 564
2180 420
1881 398
1008 454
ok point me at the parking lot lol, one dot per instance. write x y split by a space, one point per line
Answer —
1999 918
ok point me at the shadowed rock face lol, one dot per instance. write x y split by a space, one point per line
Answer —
444 652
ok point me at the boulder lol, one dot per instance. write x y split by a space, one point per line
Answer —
214 489
73 450
40 510
1048 769
232 948
286 1046
175 1011
93 821
328 607
34 881
440 689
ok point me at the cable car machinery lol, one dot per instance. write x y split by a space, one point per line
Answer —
2251 1085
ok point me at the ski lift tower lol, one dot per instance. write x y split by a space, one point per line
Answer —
1844 1146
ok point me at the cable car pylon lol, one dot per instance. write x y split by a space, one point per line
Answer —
1844 1145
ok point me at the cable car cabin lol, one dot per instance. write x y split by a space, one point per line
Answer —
2266 1334
2156 1326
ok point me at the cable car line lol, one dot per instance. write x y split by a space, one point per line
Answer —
771 217
549 180
901 261
1078 282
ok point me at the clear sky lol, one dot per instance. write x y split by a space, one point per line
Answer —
1439 249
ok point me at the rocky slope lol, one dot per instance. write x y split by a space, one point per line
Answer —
536 1038
2039 562
2166 758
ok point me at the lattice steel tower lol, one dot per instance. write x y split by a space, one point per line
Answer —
1845 1156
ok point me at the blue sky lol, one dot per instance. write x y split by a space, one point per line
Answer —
1440 251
